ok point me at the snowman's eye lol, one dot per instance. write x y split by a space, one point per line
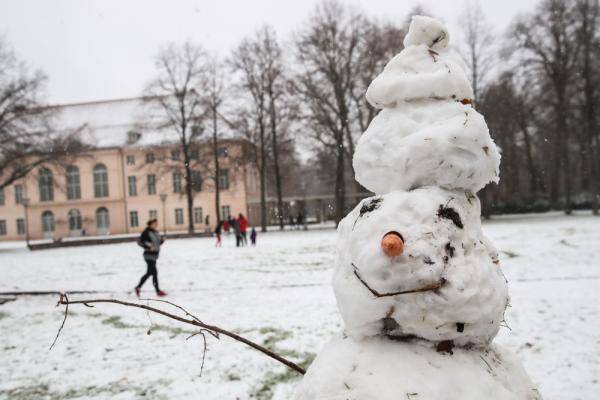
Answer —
392 244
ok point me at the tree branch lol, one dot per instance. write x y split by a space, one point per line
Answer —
215 331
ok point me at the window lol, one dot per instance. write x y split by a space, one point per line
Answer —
151 184
133 219
73 183
132 184
20 226
223 179
150 158
19 194
196 181
47 222
102 219
130 159
46 185
74 220
175 155
2 227
133 136
195 153
225 212
2 200
100 181
198 215
179 216
152 214
177 188
222 152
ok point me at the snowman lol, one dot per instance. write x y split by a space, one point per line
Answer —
418 285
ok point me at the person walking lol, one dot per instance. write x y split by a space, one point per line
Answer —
150 240
253 236
235 225
243 222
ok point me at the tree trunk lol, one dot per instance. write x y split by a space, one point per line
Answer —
263 177
533 174
340 181
215 148
275 150
188 188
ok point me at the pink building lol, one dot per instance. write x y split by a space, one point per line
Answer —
120 184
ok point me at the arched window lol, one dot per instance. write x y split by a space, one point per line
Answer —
74 220
102 221
73 183
47 222
100 181
46 185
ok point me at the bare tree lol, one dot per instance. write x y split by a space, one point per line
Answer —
213 97
27 137
477 45
255 60
547 40
587 14
174 95
328 52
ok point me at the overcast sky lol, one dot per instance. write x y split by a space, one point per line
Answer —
102 49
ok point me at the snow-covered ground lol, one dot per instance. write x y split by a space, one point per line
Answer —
278 294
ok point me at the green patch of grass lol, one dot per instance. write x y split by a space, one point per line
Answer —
116 322
273 337
4 315
265 390
43 391
232 376
509 254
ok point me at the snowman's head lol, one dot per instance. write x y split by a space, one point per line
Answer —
416 264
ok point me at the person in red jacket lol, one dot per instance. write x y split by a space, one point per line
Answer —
243 222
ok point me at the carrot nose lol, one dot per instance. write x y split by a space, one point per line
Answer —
392 244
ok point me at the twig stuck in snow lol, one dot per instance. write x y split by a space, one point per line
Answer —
213 330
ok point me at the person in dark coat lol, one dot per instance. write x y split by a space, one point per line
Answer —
235 225
253 236
150 240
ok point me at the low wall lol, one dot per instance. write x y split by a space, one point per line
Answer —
107 240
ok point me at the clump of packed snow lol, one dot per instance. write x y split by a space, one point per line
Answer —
444 248
428 31
380 369
427 142
428 133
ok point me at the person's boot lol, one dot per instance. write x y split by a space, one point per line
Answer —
160 293
137 292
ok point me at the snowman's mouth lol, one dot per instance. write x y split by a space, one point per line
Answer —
427 288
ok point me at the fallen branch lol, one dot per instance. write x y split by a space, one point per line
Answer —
213 330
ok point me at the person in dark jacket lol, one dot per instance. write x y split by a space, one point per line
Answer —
150 240
253 236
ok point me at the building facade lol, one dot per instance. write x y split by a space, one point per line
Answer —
129 177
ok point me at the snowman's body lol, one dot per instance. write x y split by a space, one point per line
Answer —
418 285
378 368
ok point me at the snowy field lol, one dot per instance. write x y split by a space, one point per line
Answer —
278 294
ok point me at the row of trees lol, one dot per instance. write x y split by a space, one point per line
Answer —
540 93
538 88
316 88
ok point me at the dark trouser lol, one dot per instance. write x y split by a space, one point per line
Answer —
151 271
244 239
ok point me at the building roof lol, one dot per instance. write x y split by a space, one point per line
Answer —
107 123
